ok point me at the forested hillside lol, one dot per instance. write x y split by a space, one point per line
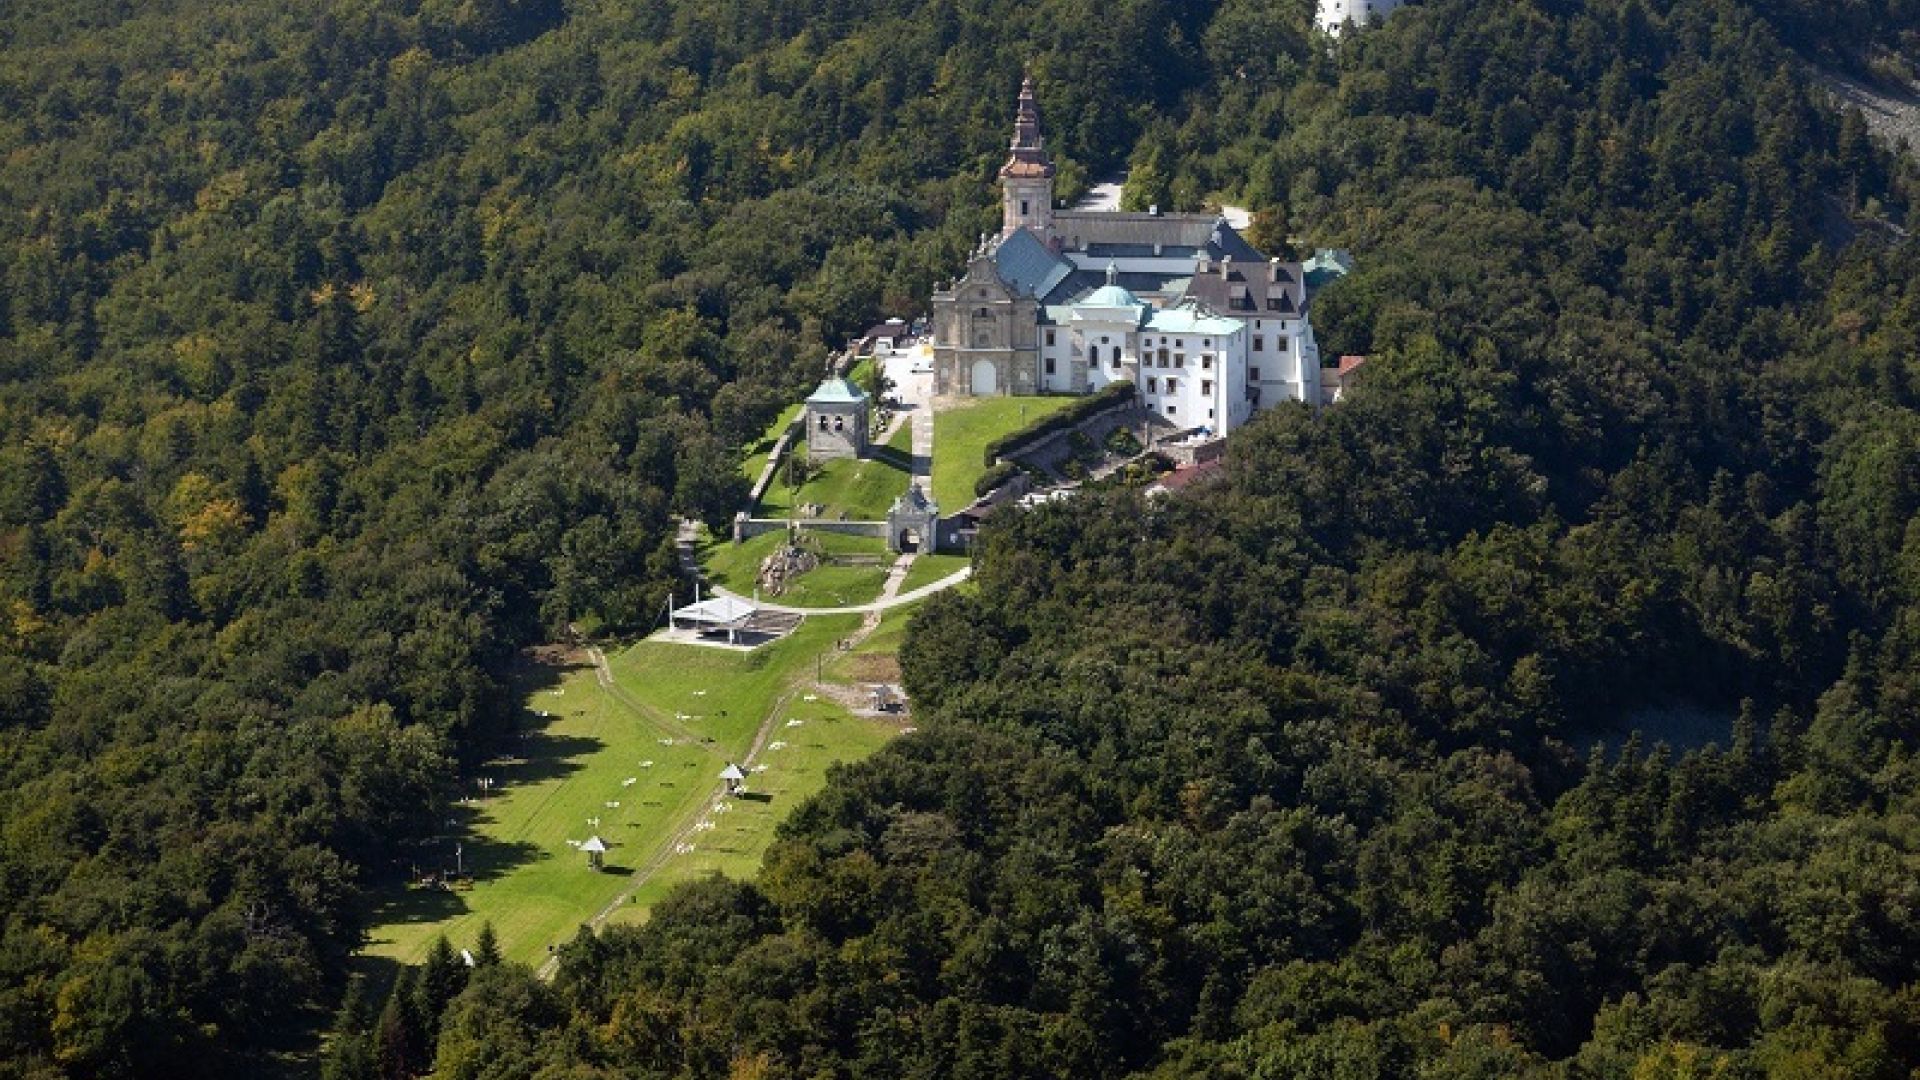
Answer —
1320 771
346 347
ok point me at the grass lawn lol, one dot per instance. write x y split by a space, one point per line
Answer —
816 735
861 488
927 569
757 450
736 566
575 763
961 435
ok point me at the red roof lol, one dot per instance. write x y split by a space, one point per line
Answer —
1348 363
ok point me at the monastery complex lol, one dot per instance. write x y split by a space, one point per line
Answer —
1207 329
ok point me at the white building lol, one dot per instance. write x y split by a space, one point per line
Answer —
1069 301
1334 15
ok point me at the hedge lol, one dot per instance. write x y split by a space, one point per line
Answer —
996 474
1071 416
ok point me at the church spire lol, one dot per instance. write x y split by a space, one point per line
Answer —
1028 156
1026 180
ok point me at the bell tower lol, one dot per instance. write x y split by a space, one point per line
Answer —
1026 180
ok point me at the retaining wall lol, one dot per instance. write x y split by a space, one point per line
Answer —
748 528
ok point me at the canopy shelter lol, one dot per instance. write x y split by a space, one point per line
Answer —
719 614
596 850
734 776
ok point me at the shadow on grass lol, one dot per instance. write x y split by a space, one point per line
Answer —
756 796
892 455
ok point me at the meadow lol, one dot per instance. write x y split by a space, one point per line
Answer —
642 757
961 434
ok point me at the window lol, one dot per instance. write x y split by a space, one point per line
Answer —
1173 385
1256 324
1209 414
1153 385
1163 357
1253 373
823 423
1206 387
1179 359
1206 362
1049 365
1023 208
1049 337
1208 343
839 423
1259 343
1104 339
1280 345
1116 356
1171 410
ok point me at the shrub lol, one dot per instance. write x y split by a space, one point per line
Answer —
998 474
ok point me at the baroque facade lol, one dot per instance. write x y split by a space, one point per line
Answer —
1068 301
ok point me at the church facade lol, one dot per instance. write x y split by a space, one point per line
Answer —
1069 301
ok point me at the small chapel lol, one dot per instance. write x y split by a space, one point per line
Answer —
1208 329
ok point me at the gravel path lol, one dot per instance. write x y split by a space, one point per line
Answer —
1892 116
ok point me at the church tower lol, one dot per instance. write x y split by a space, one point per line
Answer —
1026 180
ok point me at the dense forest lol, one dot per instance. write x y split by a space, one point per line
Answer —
346 349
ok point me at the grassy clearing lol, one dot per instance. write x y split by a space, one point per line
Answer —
927 569
961 435
825 734
529 882
860 489
736 566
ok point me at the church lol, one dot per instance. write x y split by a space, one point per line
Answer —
1207 329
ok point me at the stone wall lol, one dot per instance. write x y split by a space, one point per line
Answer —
1051 449
772 468
1185 454
746 528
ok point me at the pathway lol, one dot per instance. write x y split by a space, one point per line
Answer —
687 823
885 603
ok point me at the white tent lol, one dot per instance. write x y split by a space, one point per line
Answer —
727 613
732 772
596 850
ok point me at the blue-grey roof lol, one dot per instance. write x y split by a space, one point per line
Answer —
1025 263
837 392
1077 285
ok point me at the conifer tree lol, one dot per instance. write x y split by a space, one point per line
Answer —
486 948
442 977
398 1049
349 1054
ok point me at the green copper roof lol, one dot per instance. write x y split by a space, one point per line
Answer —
837 392
1185 320
1110 296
